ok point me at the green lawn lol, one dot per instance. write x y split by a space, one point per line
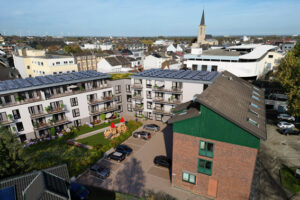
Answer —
86 129
93 140
288 180
121 76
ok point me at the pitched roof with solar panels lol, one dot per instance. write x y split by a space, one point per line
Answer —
19 85
178 75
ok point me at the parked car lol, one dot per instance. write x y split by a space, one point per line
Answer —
142 134
279 97
122 148
78 191
162 161
286 117
101 172
151 127
118 156
285 125
288 131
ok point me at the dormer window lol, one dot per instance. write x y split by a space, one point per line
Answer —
254 105
255 97
252 122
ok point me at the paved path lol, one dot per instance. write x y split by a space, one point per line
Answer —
93 132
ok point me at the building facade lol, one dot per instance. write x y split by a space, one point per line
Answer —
32 63
156 92
87 62
212 136
31 107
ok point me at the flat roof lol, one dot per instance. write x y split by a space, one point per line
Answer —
20 85
178 75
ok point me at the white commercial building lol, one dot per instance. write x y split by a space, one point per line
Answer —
114 64
156 92
32 107
247 61
153 61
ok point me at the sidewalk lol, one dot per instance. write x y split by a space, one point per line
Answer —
93 132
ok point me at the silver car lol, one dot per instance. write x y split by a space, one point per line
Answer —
286 117
285 125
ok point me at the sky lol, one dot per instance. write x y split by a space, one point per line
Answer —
148 18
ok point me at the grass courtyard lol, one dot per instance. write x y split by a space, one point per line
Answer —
288 180
94 140
57 151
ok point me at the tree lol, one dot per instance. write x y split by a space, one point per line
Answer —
39 47
289 76
11 154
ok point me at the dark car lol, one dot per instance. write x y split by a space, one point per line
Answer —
78 191
101 172
118 156
151 127
122 148
142 134
162 161
288 131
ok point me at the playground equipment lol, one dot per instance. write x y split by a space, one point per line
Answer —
114 131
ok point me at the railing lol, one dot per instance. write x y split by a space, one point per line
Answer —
170 90
61 121
137 97
105 110
138 108
137 86
25 101
41 125
56 110
103 100
169 101
38 115
162 111
6 122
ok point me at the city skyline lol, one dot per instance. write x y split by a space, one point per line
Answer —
144 18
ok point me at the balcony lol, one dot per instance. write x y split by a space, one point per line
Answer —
20 102
175 90
105 110
137 97
6 122
56 110
161 111
137 86
169 101
38 115
41 126
99 101
138 108
60 122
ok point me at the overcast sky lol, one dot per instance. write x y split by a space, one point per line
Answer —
148 18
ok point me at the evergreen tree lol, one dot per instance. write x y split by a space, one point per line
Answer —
11 154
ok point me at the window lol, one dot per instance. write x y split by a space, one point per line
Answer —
128 88
28 67
149 95
206 149
119 99
252 122
253 112
77 122
214 68
118 89
148 84
256 93
119 108
255 97
149 105
20 126
205 166
256 88
254 105
129 107
65 62
187 177
128 98
76 112
204 68
58 63
74 101
71 62
73 70
270 56
54 73
16 114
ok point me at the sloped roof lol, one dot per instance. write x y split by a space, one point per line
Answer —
202 19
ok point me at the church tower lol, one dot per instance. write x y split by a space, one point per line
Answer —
201 31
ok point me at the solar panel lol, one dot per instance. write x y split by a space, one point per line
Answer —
11 85
44 79
23 82
191 74
34 81
2 87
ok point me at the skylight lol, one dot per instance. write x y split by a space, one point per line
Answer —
256 93
252 122
253 112
255 97
254 105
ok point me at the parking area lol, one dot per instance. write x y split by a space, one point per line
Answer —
137 173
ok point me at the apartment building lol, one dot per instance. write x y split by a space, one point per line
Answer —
31 107
87 62
216 138
247 61
32 63
156 92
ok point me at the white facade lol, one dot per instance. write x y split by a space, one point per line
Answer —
153 62
104 47
172 48
90 46
105 67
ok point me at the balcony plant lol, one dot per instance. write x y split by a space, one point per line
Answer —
34 124
52 131
63 106
18 99
102 117
10 117
155 86
47 109
134 94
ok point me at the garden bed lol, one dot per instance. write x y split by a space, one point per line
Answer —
288 180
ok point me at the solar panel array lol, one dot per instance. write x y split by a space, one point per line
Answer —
49 79
178 74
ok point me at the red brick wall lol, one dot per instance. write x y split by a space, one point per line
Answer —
233 167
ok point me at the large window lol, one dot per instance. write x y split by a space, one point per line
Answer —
74 101
16 114
128 89
187 177
129 98
129 107
205 166
118 89
206 149
119 99
20 126
149 105
149 95
76 112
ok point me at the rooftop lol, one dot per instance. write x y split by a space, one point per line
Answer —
18 85
183 75
234 99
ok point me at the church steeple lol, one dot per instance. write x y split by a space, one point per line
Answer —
202 19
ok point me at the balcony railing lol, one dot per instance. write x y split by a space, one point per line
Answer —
6 122
137 97
56 110
169 101
105 110
38 115
103 100
137 86
168 90
60 122
42 125
162 111
25 101
138 108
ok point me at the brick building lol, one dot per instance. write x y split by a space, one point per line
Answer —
216 138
